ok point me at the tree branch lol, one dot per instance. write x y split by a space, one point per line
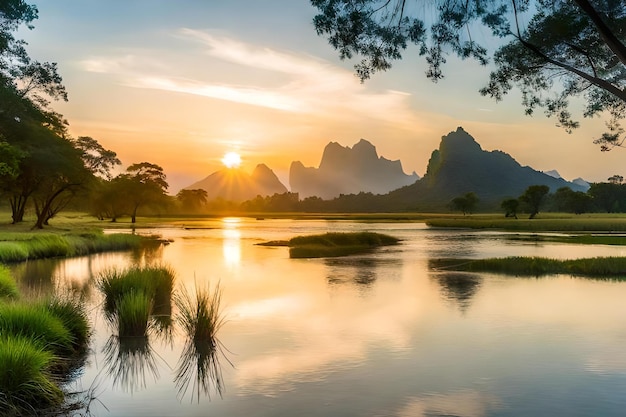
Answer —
618 48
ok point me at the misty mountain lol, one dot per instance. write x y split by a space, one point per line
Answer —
345 170
460 166
234 184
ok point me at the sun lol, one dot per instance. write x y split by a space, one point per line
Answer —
231 160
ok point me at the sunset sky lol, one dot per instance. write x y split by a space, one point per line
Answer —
181 83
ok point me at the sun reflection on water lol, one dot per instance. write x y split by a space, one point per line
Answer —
232 240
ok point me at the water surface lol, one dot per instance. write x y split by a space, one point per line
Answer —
370 335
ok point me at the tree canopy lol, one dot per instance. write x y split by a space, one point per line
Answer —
567 48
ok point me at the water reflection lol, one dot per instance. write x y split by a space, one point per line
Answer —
128 361
363 271
458 287
466 403
200 367
232 240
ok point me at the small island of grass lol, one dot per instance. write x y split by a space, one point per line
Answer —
598 267
334 244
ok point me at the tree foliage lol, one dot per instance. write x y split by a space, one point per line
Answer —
567 48
534 197
466 204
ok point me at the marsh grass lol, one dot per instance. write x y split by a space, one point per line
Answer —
199 365
34 322
599 267
136 299
155 281
200 318
17 247
337 244
25 382
8 286
73 315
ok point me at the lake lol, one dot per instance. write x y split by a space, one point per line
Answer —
377 334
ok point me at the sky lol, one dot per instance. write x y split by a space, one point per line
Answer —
181 83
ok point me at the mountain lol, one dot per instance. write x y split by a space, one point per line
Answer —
234 184
345 170
460 166
553 173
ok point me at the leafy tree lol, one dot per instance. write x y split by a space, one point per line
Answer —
568 48
192 200
575 202
616 179
607 196
465 204
534 196
142 184
510 206
98 160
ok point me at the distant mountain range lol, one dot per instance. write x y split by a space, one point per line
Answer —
233 184
460 166
457 167
345 170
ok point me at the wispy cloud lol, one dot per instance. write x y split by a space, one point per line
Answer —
302 83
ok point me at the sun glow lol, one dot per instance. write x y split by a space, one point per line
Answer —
231 160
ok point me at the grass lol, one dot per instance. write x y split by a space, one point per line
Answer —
22 246
25 382
38 324
134 296
73 315
156 281
133 314
200 318
337 244
599 267
8 286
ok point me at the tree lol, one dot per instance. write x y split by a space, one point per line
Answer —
534 196
568 48
616 179
192 200
143 183
510 206
465 204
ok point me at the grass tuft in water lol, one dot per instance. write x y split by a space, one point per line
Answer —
200 318
133 314
156 282
25 384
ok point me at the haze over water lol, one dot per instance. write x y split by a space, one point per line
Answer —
378 334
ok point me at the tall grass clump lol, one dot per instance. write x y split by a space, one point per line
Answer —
72 313
133 314
25 383
8 287
38 324
135 297
200 318
156 282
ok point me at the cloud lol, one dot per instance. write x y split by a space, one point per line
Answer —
300 83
